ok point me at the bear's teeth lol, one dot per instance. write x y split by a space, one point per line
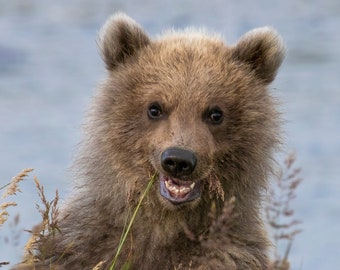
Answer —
178 190
171 187
174 189
184 190
167 184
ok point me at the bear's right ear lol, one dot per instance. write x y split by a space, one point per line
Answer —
120 38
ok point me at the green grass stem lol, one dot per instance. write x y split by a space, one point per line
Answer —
126 232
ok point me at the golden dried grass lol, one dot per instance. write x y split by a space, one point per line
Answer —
39 246
279 213
11 189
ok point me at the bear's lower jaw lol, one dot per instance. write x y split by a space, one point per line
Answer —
178 191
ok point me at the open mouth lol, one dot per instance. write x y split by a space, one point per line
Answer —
178 191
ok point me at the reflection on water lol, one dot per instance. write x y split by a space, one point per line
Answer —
49 65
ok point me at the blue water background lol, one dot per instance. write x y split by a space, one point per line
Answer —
50 65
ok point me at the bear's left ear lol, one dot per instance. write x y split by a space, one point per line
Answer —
263 50
119 39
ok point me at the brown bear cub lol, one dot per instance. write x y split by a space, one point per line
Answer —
197 113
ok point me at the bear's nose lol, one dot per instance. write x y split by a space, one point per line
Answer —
178 162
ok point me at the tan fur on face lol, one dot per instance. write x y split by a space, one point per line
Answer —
188 73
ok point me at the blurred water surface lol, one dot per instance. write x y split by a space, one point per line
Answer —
49 66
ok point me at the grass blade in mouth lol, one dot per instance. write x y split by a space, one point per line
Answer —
126 232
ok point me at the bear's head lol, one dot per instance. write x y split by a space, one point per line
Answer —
189 107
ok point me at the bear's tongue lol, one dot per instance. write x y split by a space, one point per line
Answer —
178 191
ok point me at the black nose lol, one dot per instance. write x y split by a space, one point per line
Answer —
178 162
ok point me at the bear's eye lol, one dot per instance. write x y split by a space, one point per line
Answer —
215 116
155 111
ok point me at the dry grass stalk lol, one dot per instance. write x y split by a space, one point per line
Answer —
220 228
11 189
40 245
219 233
215 187
279 212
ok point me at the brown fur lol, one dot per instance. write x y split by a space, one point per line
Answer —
187 72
